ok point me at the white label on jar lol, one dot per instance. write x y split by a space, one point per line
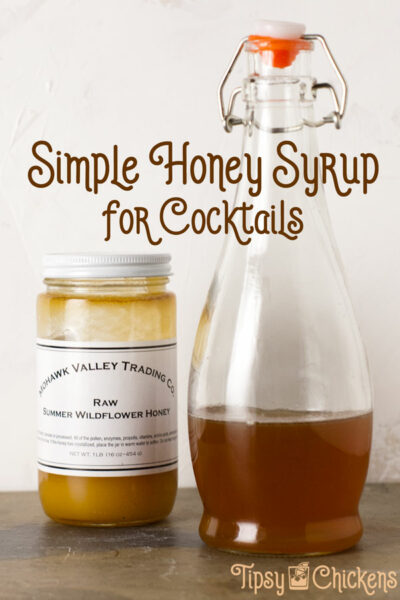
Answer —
107 409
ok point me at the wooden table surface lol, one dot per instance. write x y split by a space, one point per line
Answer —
40 559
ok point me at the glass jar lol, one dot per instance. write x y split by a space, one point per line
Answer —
106 360
280 405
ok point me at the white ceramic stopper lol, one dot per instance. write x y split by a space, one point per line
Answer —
278 29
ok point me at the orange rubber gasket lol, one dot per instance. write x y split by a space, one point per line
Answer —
283 51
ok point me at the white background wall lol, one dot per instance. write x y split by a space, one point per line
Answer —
87 74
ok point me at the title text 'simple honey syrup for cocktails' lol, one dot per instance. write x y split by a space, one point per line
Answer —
280 404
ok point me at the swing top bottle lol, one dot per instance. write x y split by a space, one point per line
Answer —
279 397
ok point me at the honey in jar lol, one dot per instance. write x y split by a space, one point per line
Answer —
106 362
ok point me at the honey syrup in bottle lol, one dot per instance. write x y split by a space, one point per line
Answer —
280 407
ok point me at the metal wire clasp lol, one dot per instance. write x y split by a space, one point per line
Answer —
228 118
336 116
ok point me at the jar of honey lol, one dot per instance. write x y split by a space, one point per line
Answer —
106 365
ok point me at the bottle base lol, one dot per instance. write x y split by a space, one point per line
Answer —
312 539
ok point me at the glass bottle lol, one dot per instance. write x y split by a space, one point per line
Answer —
279 396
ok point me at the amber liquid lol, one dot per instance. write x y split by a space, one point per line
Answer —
280 482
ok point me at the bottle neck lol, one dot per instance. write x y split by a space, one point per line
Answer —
277 104
278 142
275 133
